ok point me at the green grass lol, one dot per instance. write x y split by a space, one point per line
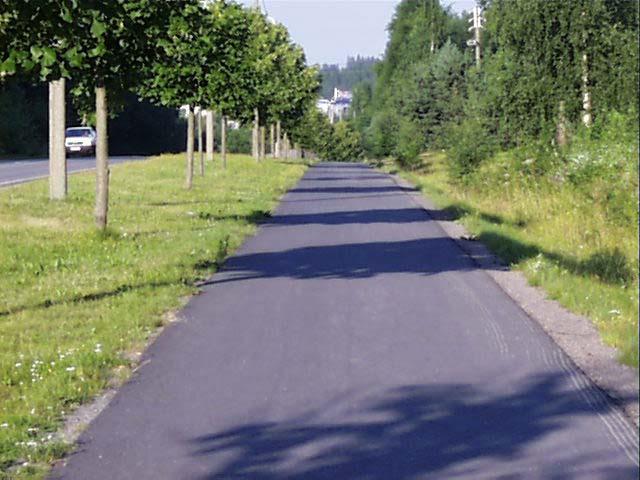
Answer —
567 239
74 304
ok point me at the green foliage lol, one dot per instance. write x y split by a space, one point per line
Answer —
470 144
199 53
380 137
282 86
345 144
239 140
409 145
339 142
23 118
540 50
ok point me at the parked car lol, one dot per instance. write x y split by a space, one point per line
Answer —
80 140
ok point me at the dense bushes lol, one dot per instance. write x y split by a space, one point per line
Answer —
23 119
338 142
345 145
469 144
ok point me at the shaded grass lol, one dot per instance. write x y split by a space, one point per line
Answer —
554 232
74 303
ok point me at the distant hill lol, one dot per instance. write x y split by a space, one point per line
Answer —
357 70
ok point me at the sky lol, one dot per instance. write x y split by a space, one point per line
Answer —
332 30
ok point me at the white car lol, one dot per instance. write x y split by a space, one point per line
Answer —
80 140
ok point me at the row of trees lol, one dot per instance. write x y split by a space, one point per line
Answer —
220 57
549 68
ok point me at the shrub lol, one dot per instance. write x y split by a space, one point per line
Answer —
239 140
470 144
380 137
345 145
410 144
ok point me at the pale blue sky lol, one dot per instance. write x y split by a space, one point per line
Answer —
331 30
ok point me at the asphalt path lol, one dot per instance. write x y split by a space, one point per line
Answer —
352 339
13 172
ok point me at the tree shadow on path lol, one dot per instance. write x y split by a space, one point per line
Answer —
353 260
425 431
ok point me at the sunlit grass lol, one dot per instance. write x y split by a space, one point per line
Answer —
561 236
74 303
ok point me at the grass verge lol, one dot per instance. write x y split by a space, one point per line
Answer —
74 303
560 236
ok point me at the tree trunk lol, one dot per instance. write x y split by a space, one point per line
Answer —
255 150
561 129
263 143
190 145
57 152
102 159
272 140
586 93
200 149
278 139
210 134
286 146
223 140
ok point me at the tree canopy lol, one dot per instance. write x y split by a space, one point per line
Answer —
543 59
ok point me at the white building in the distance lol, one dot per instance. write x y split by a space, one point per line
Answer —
337 107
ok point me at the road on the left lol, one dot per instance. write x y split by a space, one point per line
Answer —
13 172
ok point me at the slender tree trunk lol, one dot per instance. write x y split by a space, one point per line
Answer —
57 152
586 93
561 129
200 149
286 146
210 134
102 159
223 140
256 135
278 139
478 47
190 145
272 140
263 143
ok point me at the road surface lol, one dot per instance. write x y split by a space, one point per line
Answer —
20 171
352 339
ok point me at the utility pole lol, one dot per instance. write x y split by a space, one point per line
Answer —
477 21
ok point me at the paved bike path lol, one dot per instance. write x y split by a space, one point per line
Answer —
352 339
